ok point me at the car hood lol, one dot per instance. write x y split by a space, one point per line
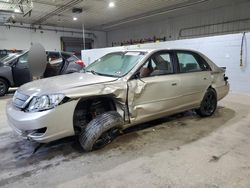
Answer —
58 84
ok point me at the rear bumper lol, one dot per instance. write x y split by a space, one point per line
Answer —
43 126
222 91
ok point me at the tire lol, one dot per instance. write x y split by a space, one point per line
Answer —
4 87
106 124
208 104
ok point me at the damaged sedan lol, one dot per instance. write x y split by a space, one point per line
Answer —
119 90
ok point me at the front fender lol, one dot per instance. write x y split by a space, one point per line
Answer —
6 73
116 91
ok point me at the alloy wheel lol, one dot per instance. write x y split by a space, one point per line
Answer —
2 88
209 105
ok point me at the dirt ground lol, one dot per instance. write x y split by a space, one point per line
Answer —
179 151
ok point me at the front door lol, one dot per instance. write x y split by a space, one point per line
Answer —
20 71
156 90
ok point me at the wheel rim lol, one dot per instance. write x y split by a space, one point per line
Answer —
105 138
209 103
2 87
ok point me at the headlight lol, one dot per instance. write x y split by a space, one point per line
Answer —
45 102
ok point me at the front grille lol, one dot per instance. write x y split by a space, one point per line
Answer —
20 100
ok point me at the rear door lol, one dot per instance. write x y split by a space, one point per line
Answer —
195 75
20 71
156 90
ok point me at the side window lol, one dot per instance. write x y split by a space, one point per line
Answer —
188 63
163 64
23 59
203 64
158 64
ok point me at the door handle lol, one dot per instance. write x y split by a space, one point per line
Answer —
174 84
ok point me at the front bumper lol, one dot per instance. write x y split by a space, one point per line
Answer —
43 126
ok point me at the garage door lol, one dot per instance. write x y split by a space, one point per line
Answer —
71 44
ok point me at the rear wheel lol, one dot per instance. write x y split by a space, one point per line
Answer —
208 104
4 87
102 130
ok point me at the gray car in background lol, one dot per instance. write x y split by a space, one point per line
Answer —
14 69
5 52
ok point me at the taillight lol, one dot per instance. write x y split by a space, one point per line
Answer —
225 78
80 62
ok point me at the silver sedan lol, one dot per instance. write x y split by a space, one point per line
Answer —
119 90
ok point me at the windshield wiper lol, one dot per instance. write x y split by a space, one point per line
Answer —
93 72
109 75
101 74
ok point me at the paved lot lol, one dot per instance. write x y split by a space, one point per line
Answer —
179 151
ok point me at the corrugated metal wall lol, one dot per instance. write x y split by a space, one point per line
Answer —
222 20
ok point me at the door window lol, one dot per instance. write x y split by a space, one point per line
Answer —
158 64
188 63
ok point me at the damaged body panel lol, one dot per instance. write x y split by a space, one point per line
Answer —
139 86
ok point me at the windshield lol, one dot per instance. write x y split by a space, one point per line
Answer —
10 57
115 64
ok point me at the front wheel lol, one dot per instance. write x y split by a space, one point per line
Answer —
101 131
4 87
208 104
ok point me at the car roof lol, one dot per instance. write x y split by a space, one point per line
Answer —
160 49
62 52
